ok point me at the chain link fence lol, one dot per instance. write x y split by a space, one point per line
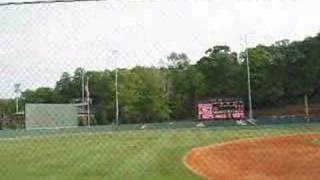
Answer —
111 90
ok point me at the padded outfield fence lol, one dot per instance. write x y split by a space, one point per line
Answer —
261 123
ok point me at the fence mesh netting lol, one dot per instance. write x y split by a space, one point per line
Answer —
159 90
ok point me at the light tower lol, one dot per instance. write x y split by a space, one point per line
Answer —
250 118
115 53
17 91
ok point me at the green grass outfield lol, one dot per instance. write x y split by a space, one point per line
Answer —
149 154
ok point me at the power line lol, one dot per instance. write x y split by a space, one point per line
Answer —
43 2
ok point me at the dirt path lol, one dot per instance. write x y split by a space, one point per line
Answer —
289 157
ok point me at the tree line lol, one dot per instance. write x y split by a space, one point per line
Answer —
281 73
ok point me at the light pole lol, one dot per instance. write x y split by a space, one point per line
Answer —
82 85
115 53
17 90
117 97
88 100
249 82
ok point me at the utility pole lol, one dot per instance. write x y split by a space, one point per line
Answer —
249 81
17 90
17 105
114 53
117 98
88 101
82 86
306 108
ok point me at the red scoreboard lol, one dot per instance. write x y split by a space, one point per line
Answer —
221 109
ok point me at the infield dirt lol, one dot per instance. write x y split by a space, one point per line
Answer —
287 157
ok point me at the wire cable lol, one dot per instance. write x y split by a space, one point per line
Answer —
43 2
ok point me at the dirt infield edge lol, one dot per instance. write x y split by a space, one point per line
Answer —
184 159
196 172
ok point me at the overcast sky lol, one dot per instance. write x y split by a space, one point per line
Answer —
39 42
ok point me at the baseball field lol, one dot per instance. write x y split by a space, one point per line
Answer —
160 154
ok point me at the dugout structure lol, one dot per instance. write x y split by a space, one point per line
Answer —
50 116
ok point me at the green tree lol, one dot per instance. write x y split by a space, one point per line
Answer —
40 95
142 98
220 69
